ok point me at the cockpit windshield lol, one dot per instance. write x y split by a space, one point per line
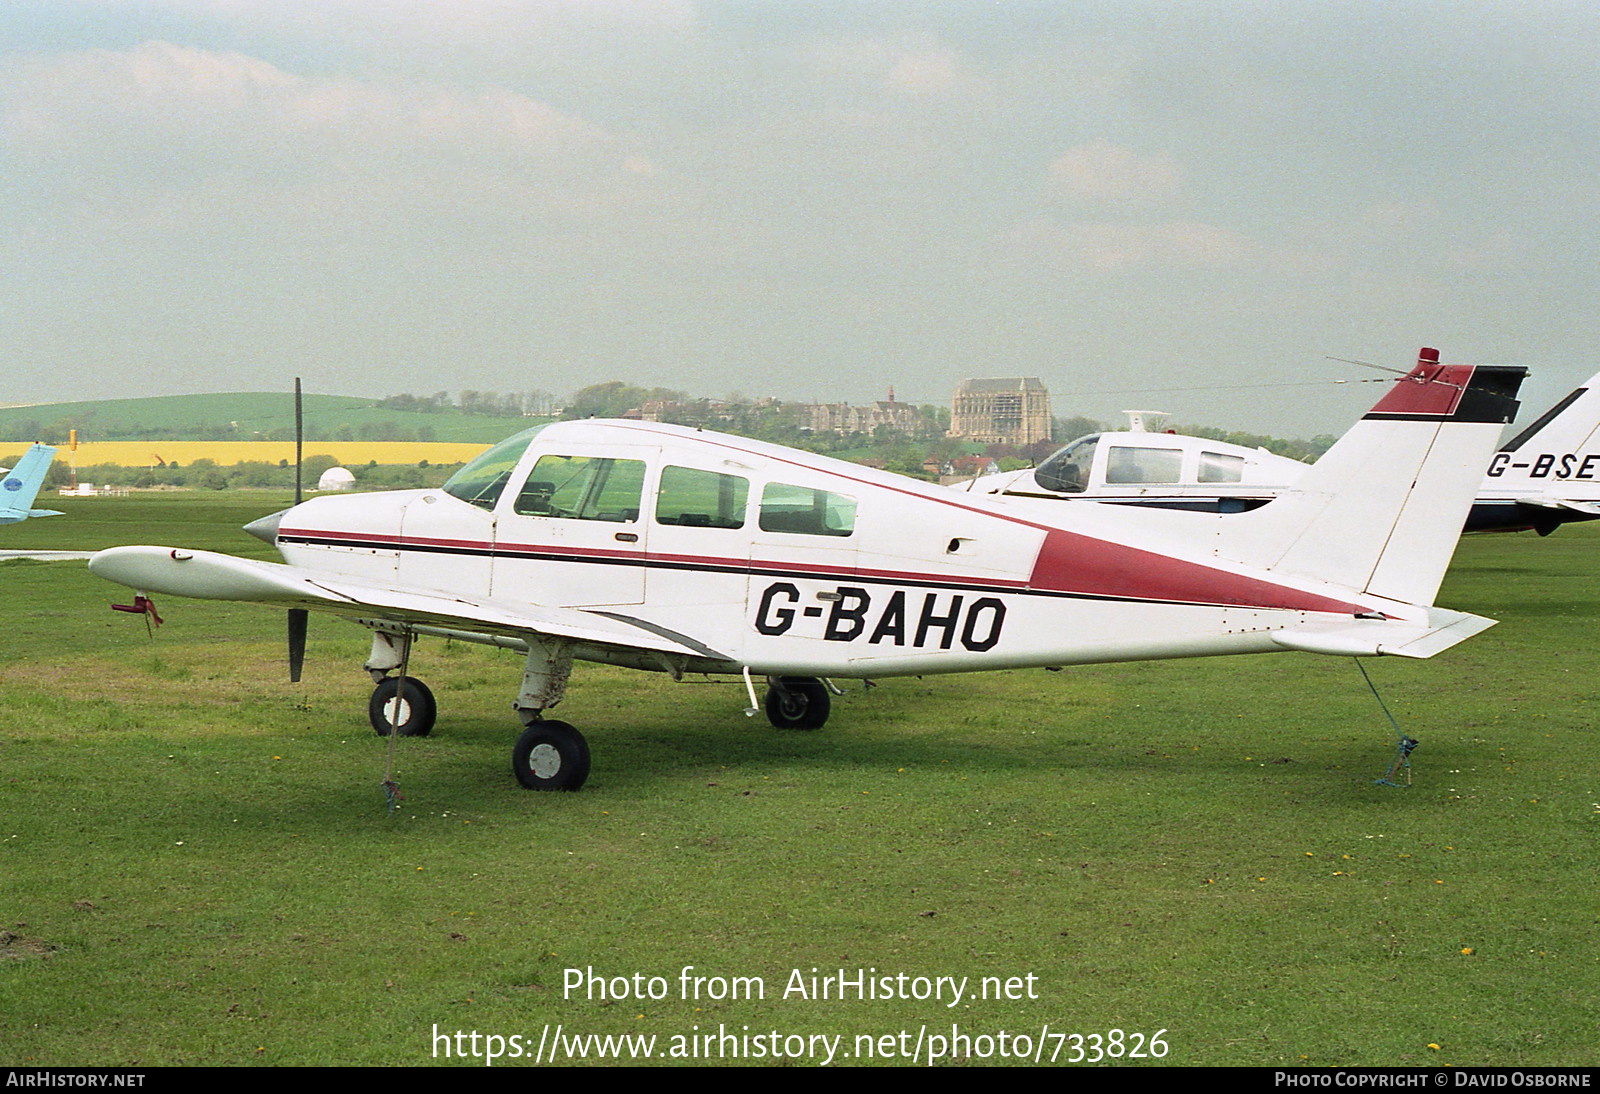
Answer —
482 480
1067 471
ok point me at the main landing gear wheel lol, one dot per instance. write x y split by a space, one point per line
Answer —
416 712
550 756
797 702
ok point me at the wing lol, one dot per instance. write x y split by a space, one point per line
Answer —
206 575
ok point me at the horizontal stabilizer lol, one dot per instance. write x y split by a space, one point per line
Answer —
1380 637
14 516
206 575
1588 508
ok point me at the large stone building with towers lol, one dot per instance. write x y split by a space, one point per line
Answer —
1013 410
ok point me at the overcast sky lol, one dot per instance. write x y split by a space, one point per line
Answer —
812 200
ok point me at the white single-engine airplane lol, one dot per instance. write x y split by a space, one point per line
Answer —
666 548
1546 476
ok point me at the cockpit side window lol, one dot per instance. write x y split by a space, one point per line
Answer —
701 499
1219 467
1128 464
805 511
481 481
1067 472
583 488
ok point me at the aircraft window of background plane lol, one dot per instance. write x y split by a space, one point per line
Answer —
1217 467
1136 465
701 499
583 488
482 480
1067 472
804 511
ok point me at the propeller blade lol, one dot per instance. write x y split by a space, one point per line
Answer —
297 642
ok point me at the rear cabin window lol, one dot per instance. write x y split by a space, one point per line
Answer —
1135 465
807 512
701 499
583 488
1217 467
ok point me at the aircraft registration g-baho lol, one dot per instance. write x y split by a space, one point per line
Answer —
1546 476
20 485
667 548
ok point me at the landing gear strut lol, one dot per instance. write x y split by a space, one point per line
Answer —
797 702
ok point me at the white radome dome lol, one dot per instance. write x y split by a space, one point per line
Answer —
336 478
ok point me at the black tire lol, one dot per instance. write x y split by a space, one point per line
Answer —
550 756
417 708
800 703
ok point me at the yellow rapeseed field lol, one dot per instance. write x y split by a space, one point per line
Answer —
228 453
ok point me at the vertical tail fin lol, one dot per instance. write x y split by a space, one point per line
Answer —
1562 445
1382 510
21 485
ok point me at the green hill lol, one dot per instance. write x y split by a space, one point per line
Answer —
245 416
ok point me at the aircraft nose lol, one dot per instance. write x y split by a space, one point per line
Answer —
266 528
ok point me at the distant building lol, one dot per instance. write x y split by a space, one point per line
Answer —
963 468
1014 410
663 410
844 418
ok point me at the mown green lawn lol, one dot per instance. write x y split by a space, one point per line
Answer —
197 865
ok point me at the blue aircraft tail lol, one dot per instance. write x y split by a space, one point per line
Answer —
21 485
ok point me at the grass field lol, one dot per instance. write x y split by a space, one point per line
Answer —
197 867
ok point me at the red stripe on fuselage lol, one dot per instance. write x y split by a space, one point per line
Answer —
1071 563
1067 563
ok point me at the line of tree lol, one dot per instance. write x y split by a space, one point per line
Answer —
206 474
93 428
493 404
921 451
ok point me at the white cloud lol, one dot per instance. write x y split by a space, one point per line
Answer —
926 72
1115 247
191 107
1106 172
425 20
909 66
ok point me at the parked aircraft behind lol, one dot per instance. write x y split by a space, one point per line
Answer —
670 549
1548 475
20 485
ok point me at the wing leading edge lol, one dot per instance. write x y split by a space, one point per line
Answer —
206 575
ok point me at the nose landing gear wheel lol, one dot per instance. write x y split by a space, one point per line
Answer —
797 702
413 714
550 756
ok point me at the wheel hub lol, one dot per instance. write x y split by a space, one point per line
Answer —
544 761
